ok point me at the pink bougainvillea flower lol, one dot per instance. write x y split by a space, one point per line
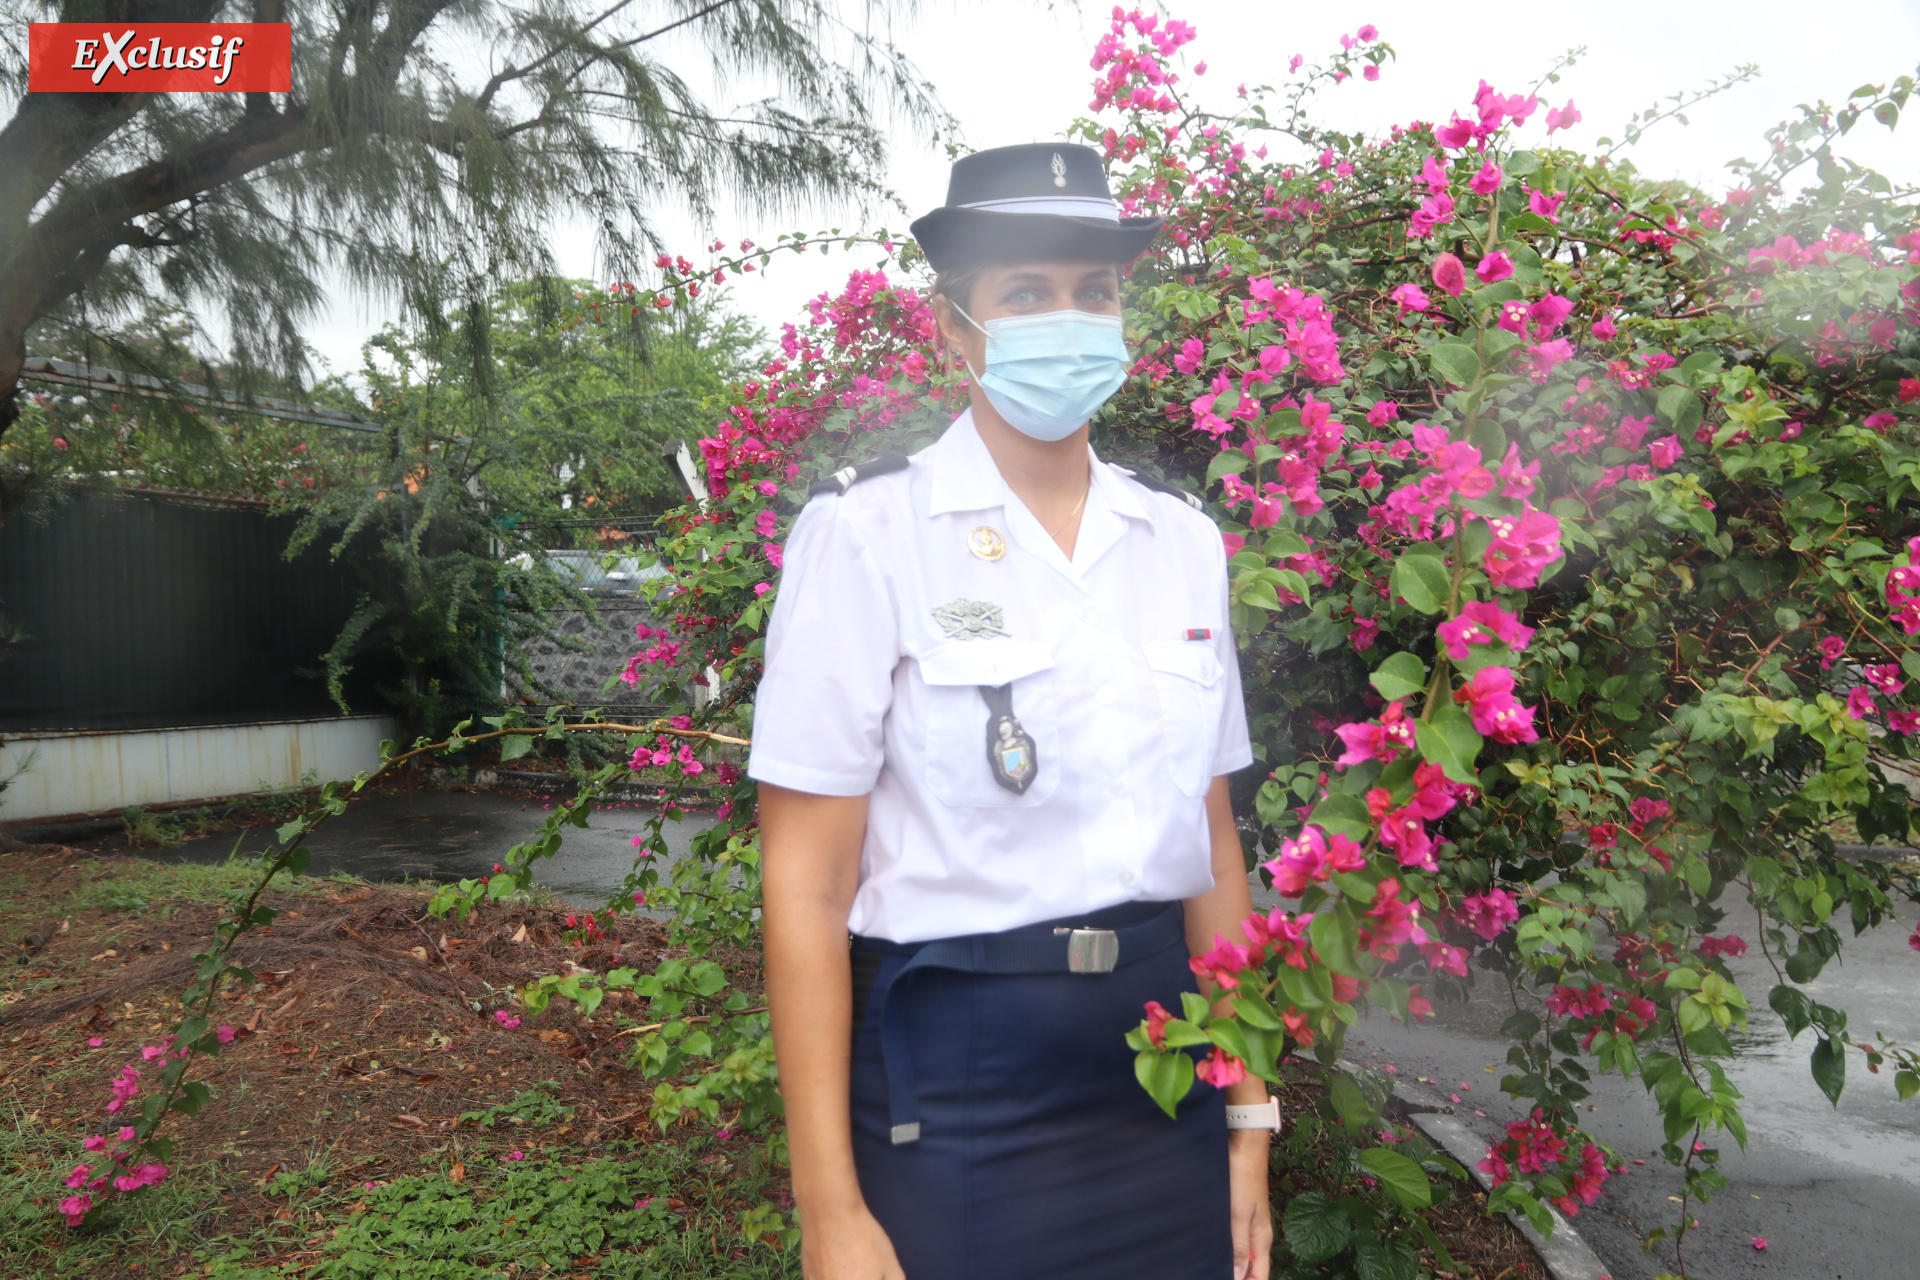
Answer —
1516 480
1885 677
1434 174
1880 422
1903 721
1482 622
1381 412
1157 1020
1604 329
1646 809
1664 452
505 1019
1830 647
1450 274
1366 34
1488 180
1193 353
1370 72
1366 631
1495 267
1545 205
1860 703
1495 711
1488 914
1759 1242
1442 958
1522 546
1410 297
1548 313
1791 431
94 1042
1221 1070
1562 117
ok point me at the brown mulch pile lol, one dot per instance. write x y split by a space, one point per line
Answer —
369 1032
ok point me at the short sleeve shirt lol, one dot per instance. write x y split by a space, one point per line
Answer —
1121 666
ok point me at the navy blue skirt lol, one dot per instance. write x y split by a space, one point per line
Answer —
1040 1157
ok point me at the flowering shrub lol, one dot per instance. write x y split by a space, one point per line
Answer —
1570 557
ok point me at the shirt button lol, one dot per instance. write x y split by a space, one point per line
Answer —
1126 877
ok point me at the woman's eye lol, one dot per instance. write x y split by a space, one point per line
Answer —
1021 298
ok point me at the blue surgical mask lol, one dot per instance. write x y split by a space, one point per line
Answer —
1046 374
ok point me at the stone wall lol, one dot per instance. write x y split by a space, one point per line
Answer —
578 677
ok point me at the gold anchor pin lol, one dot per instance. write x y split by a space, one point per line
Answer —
986 543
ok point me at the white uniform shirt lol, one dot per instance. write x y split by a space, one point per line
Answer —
1123 673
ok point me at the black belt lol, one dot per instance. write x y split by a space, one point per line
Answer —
1063 946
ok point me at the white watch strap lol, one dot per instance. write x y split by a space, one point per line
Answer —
1261 1115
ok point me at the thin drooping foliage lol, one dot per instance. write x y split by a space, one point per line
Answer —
428 150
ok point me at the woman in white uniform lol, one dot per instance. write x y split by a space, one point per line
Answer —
999 705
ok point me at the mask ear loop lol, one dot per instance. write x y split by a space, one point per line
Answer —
968 364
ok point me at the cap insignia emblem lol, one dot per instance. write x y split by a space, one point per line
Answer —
970 620
986 543
1059 170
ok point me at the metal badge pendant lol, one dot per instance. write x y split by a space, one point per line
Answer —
986 543
1011 754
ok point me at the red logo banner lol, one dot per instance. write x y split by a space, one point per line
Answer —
159 57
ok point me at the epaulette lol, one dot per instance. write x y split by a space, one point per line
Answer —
847 477
1146 481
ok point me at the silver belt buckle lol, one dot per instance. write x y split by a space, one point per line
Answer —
1093 951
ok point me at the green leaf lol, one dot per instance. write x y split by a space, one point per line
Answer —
1455 361
1793 1006
1226 463
1906 1084
1400 676
1344 815
515 746
1167 1077
1829 1069
1315 1227
1423 582
1679 408
1521 163
1333 934
1378 1259
1404 1180
1351 1103
1520 1026
1450 741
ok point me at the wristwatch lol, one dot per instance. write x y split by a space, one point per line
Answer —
1261 1115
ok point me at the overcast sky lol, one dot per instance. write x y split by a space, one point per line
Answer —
1017 71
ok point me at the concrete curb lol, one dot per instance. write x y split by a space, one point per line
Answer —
1564 1254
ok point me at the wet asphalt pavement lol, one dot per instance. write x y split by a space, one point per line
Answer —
452 835
1835 1193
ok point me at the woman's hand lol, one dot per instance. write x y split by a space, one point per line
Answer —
1252 1209
848 1246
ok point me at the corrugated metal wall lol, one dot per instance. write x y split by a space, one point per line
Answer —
74 773
146 611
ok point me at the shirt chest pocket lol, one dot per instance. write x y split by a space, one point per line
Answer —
1189 686
957 716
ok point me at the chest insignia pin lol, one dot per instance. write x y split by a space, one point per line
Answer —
986 543
970 620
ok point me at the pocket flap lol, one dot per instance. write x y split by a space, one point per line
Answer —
1193 659
988 662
